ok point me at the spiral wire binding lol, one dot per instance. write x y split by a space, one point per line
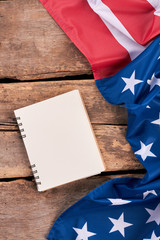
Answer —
34 172
23 136
21 129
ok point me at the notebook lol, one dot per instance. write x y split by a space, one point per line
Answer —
59 140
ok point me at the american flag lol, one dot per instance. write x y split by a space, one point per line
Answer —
110 33
119 39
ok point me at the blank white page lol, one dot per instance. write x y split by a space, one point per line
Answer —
59 140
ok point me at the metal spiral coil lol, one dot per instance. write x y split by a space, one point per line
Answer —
19 125
33 166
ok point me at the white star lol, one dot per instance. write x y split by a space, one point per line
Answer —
118 201
131 82
153 237
148 106
153 82
154 215
144 151
145 194
157 121
83 234
119 224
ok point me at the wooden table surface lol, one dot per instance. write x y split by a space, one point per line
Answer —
38 61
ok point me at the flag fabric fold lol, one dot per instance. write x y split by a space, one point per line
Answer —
121 41
137 87
109 33
119 209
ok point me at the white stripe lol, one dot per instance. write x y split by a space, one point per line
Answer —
155 4
116 28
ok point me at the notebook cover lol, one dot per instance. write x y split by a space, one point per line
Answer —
59 140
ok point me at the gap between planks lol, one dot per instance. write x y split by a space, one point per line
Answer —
116 152
108 174
21 94
36 46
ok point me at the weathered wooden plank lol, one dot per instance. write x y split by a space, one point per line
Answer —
17 95
32 45
28 214
116 152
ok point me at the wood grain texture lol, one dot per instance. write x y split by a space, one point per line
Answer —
116 152
32 45
27 214
17 95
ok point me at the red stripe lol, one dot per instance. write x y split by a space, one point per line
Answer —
137 16
90 35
